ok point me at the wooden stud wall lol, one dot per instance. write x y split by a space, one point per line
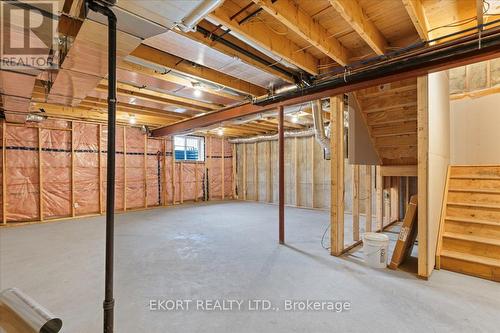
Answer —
101 176
307 182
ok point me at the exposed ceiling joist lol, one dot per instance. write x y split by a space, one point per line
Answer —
278 44
415 10
179 64
214 40
352 12
480 12
295 19
165 76
151 96
458 53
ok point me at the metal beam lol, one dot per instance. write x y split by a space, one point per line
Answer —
433 59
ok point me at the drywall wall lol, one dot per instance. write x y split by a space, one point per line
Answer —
438 157
360 148
475 132
57 169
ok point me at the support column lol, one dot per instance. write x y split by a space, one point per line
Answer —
368 200
281 187
337 175
355 202
379 198
4 175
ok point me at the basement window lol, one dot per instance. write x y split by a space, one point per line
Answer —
189 148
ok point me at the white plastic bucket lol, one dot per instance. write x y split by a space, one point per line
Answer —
375 249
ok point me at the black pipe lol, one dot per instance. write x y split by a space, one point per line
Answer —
109 302
251 55
441 54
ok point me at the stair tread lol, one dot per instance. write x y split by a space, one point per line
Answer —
471 258
475 177
477 239
472 220
481 205
475 190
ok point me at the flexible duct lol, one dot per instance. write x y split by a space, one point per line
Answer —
319 127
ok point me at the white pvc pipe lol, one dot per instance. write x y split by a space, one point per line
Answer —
189 22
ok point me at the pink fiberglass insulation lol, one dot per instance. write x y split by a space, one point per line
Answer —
86 168
201 176
215 170
188 181
56 173
22 174
119 169
135 159
155 174
228 170
177 177
169 171
1 173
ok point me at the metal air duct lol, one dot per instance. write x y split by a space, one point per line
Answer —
319 127
189 22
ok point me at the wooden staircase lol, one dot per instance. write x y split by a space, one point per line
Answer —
469 240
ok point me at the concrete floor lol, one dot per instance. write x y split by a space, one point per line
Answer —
229 251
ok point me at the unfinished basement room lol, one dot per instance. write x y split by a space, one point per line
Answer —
249 166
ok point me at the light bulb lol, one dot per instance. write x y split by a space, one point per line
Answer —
295 119
197 92
132 120
220 132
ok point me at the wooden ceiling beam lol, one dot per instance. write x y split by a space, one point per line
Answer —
480 13
295 19
149 96
351 11
161 58
280 45
416 11
167 77
212 41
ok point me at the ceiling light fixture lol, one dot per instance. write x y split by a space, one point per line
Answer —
220 131
131 119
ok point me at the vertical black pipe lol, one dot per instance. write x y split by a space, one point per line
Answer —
281 167
109 302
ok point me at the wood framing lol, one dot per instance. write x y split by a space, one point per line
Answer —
352 12
256 171
223 159
179 64
269 173
4 173
164 183
415 10
257 33
145 171
124 168
379 198
73 213
234 161
313 172
423 158
368 198
99 147
173 170
295 19
40 175
337 175
399 170
296 170
355 202
244 189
